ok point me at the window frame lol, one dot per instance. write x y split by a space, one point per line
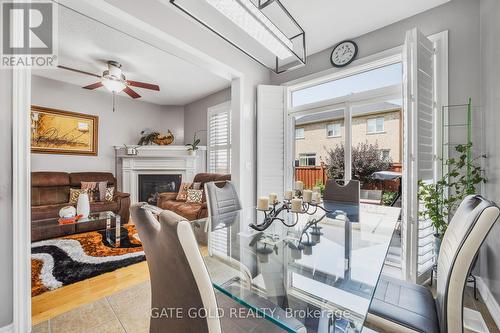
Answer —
303 133
212 111
376 125
340 130
307 156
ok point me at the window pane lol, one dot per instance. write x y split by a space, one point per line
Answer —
380 152
317 152
377 78
299 133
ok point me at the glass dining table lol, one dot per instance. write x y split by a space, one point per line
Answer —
321 272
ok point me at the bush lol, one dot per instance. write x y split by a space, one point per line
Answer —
366 159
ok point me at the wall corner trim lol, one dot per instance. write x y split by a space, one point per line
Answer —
7 329
489 300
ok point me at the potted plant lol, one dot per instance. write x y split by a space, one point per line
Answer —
440 200
193 147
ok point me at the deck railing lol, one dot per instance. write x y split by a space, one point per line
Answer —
311 175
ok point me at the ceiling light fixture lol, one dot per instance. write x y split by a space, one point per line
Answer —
280 39
248 17
113 85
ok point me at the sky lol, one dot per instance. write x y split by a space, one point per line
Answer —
377 78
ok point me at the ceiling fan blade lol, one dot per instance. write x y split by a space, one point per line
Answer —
131 93
143 85
78 71
93 86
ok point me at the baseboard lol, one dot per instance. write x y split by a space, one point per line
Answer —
7 329
489 300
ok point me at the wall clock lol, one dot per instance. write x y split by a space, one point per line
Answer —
344 53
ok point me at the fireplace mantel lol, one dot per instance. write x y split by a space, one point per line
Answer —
156 160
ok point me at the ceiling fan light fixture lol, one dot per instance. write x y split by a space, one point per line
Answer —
113 85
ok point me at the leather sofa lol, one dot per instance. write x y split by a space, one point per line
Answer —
50 192
191 211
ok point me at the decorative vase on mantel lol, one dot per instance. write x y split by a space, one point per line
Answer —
192 152
83 205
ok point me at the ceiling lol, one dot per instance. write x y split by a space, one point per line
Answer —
327 22
86 45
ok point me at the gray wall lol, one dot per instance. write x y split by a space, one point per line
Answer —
459 17
490 89
6 197
195 114
118 128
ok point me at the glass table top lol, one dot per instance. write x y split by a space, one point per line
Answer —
322 276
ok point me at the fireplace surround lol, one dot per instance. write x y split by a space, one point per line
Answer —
163 162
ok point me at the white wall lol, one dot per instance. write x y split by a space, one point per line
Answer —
490 89
6 197
459 17
195 114
118 128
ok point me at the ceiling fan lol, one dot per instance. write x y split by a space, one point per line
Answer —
115 81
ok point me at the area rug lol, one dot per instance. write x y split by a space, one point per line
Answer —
62 261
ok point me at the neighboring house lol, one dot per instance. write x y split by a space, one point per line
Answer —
379 123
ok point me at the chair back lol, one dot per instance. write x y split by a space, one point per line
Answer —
221 198
343 193
466 232
179 278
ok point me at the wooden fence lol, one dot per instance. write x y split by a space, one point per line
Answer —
311 175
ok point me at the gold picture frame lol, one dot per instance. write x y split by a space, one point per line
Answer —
63 132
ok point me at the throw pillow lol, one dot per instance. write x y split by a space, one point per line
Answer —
194 196
74 193
96 190
183 190
196 186
102 188
110 192
92 190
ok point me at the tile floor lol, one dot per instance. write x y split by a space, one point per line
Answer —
124 312
128 312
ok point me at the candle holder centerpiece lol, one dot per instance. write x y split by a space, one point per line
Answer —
298 201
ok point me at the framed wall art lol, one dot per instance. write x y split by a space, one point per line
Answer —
63 132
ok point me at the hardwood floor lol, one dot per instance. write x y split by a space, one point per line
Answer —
53 303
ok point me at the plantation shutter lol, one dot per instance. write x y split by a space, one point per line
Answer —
420 147
219 139
270 140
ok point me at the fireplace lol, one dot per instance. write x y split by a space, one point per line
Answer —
150 186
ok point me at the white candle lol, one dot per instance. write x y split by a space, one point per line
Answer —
296 205
299 185
307 195
316 189
289 195
273 198
316 197
263 203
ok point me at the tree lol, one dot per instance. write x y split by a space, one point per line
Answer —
366 159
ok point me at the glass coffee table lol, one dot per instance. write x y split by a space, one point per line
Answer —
52 228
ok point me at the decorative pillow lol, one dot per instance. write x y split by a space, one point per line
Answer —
196 186
110 192
194 196
96 190
74 193
183 190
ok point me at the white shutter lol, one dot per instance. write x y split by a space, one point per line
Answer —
270 140
420 151
219 138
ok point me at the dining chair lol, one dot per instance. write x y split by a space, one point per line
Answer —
221 198
179 280
348 193
399 306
